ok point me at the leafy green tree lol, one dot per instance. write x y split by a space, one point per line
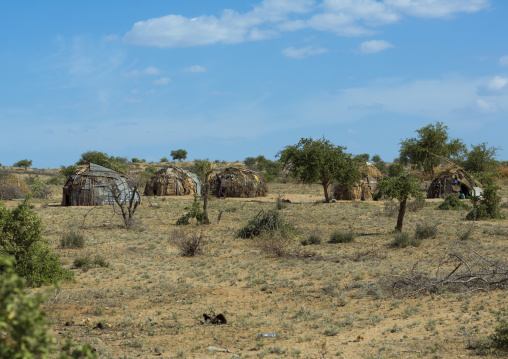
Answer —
271 169
395 170
250 161
376 158
402 188
320 161
364 157
68 171
422 152
179 155
489 205
103 159
23 163
21 237
135 160
481 158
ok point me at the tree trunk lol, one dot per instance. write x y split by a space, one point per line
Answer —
325 187
205 201
402 212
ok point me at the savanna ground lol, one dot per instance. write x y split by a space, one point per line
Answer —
150 301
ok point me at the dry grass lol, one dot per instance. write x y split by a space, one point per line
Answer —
152 298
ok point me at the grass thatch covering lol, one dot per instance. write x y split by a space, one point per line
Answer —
12 187
173 181
452 181
361 191
238 182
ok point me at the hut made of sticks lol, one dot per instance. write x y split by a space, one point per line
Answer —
453 181
12 186
238 182
94 185
362 190
173 181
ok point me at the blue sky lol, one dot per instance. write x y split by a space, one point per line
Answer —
229 79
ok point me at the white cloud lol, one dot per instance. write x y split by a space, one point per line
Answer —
503 61
303 52
373 46
162 81
493 86
148 71
270 17
487 107
195 68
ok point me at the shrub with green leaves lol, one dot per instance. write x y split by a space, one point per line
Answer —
21 237
425 230
267 221
342 237
194 212
488 206
312 239
25 331
87 262
23 163
403 240
452 202
72 239
500 336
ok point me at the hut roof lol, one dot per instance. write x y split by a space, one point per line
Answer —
94 185
453 180
171 181
238 182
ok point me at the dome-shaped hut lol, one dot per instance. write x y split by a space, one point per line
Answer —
238 182
173 181
453 181
94 185
362 190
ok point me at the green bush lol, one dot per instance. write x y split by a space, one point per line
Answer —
164 159
135 160
23 163
488 206
25 332
452 202
342 237
55 181
500 336
72 239
87 262
266 221
21 237
403 240
425 230
194 212
312 239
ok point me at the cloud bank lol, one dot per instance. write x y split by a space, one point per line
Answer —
270 18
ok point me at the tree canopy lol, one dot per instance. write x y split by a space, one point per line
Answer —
432 141
23 163
481 158
401 188
320 161
179 155
103 159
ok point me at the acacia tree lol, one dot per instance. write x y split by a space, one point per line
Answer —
481 158
320 161
179 155
432 140
103 159
23 163
401 188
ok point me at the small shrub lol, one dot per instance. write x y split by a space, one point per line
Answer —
135 160
391 209
416 204
87 262
21 237
403 240
274 244
425 230
266 221
194 212
72 239
312 239
281 203
487 207
452 202
464 235
189 245
55 181
164 159
342 237
500 336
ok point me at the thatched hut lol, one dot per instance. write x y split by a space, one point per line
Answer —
362 190
238 182
12 187
453 181
173 181
94 185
